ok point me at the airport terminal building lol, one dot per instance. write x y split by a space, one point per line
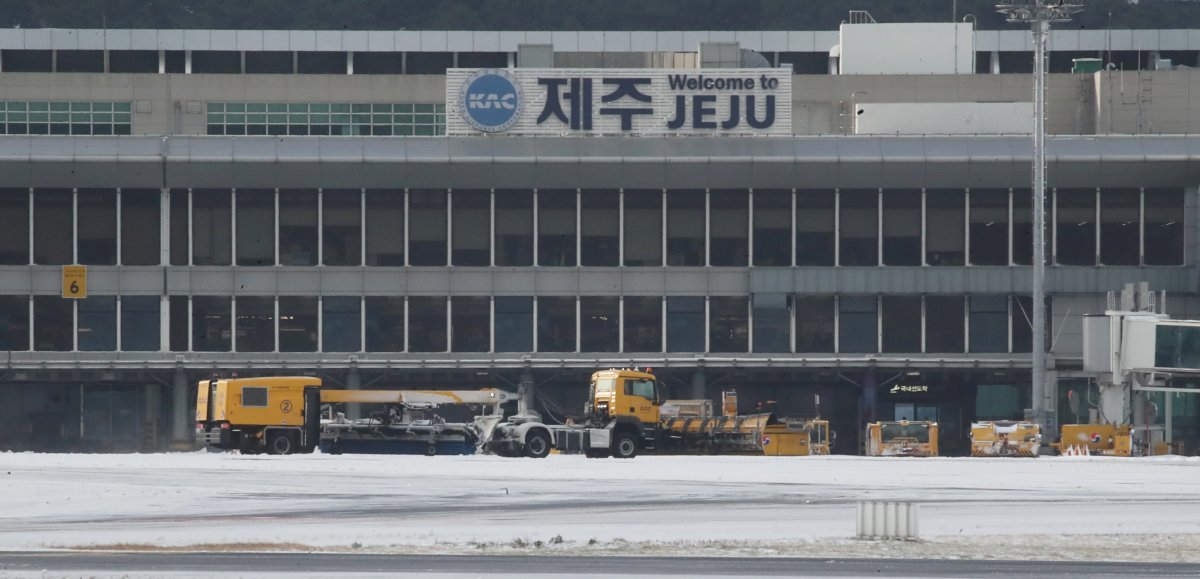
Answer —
824 220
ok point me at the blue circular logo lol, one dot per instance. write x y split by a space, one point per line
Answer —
490 100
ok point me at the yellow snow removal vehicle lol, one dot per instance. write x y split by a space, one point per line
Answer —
902 438
1005 438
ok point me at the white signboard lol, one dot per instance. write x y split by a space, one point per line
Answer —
622 102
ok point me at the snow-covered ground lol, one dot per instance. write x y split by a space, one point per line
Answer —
1049 508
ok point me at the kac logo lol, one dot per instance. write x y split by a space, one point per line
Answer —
490 100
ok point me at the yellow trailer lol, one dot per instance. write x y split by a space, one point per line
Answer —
1005 438
902 438
1099 439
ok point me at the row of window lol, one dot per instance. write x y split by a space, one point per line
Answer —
326 119
650 227
65 118
311 62
770 323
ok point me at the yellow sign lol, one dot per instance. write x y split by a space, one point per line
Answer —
74 281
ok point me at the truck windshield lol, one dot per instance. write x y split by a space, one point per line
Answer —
605 384
917 432
643 388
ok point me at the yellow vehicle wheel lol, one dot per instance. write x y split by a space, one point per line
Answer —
625 446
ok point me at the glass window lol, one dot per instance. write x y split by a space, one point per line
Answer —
902 324
988 323
514 324
514 228
385 323
858 324
14 323
901 227
98 324
989 226
643 227
297 324
1022 226
945 224
944 324
178 314
298 227
685 324
341 220
642 388
729 326
729 221
211 324
859 219
771 319
815 237
814 323
97 226
427 324
52 218
1120 220
256 324
212 227
643 324
140 240
472 228
685 228
1164 227
427 232
599 227
599 324
256 227
385 227
179 227
140 323
556 227
772 229
556 324
216 62
470 326
341 323
14 227
1075 226
53 324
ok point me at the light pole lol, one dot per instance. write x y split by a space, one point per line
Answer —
1039 14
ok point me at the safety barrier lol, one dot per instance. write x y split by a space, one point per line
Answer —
888 520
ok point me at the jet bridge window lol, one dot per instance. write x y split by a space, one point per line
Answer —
254 396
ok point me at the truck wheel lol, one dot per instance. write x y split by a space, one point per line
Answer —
537 444
431 449
335 447
280 443
625 446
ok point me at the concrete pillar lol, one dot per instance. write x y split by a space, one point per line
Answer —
867 406
833 65
994 61
187 62
699 385
1050 401
350 62
526 391
181 419
353 382
162 62
151 432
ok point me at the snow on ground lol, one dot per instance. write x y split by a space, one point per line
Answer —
1045 508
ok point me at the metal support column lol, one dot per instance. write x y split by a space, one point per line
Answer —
181 421
526 391
353 382
699 384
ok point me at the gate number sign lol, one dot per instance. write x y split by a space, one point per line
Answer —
74 281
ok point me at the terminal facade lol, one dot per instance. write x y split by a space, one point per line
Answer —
265 202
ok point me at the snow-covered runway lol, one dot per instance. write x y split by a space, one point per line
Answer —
800 506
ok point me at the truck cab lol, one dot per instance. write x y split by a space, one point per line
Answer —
279 415
627 404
